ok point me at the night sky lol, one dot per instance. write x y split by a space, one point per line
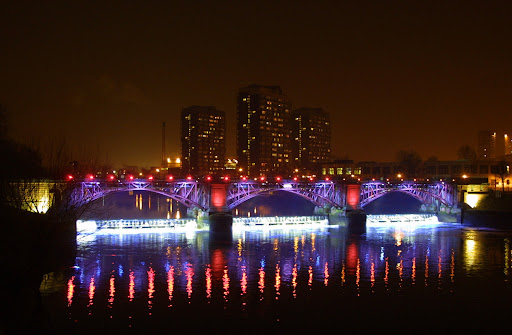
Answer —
420 75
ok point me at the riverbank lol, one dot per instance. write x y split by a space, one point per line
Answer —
487 218
493 211
33 245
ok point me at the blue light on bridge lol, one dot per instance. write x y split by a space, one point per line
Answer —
91 227
397 219
102 227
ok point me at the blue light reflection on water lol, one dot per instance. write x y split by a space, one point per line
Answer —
263 275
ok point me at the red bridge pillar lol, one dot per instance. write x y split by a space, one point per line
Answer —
218 198
355 215
353 198
220 218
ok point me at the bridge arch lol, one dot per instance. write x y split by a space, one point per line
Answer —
317 194
248 197
186 202
190 194
380 195
436 193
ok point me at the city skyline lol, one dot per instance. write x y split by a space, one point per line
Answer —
423 77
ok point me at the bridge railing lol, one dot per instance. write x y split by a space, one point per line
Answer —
94 226
389 218
280 220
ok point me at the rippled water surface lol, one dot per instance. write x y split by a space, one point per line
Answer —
438 277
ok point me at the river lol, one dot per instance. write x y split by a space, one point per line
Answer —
422 277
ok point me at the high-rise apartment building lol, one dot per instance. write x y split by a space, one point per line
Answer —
203 144
507 139
311 139
486 144
263 131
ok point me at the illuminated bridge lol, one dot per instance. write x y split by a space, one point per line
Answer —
225 196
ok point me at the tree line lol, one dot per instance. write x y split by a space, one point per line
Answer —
29 167
412 164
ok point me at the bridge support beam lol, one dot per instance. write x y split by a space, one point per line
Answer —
220 217
356 222
356 217
353 197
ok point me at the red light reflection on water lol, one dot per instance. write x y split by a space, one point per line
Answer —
358 275
386 274
208 274
426 270
352 257
111 290
261 281
92 289
218 261
452 266
413 271
372 275
71 290
439 265
400 268
310 276
225 283
278 281
294 280
326 274
170 284
342 273
189 273
243 281
151 287
131 286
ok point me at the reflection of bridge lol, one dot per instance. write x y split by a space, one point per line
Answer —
228 195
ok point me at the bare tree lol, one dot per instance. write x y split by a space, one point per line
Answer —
466 152
34 180
502 170
410 161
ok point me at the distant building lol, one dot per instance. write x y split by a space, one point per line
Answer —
202 140
486 144
345 168
483 170
507 139
172 166
311 139
263 130
231 164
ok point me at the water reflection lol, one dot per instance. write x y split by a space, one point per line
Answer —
170 283
151 287
270 269
71 290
